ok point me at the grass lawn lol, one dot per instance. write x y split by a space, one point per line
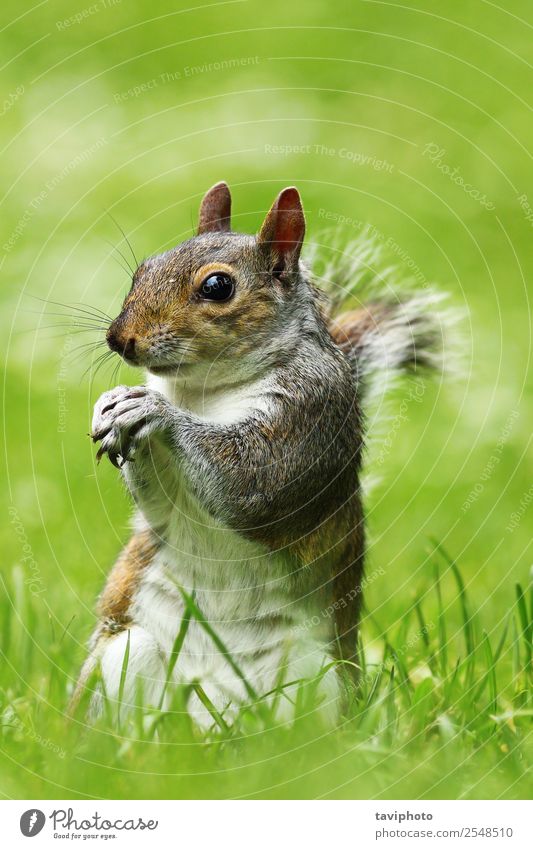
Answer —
412 120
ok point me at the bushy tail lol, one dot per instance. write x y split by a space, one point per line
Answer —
384 338
394 326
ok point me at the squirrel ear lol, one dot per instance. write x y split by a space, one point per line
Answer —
283 230
215 210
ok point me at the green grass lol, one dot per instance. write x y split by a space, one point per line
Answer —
432 716
444 708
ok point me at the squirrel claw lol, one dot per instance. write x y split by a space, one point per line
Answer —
115 459
99 454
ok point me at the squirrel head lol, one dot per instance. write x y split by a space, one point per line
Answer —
218 296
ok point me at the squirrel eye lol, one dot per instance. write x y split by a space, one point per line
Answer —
217 287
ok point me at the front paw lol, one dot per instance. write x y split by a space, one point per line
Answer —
125 416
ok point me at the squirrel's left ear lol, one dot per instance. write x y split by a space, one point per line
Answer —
215 210
283 231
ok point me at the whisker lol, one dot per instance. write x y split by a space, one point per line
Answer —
114 373
102 362
82 308
65 333
73 324
84 349
93 344
96 362
115 222
80 356
126 267
96 309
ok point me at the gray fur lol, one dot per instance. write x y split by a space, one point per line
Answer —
284 473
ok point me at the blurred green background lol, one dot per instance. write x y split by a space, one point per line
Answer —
415 120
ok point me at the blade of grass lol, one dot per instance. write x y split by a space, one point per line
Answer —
66 628
425 635
175 653
278 687
391 706
491 673
209 706
517 664
361 655
401 637
200 618
374 688
123 673
451 683
468 630
441 620
503 639
527 626
403 677
423 703
7 616
491 670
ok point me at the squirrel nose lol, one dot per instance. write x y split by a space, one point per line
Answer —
129 349
126 348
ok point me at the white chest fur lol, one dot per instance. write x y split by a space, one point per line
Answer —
242 591
211 400
241 588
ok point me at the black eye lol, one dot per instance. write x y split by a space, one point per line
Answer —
217 287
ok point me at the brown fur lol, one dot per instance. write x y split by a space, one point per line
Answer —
287 478
282 508
113 605
215 210
114 602
164 301
349 328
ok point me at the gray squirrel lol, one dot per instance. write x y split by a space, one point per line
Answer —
243 455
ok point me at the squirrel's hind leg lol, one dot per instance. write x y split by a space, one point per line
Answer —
131 672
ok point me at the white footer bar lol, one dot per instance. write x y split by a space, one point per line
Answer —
267 824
